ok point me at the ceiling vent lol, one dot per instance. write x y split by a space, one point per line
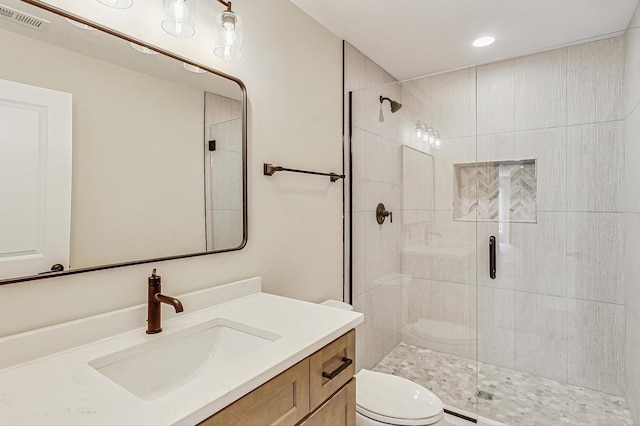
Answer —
23 18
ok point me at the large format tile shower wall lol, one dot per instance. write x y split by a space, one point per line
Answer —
632 215
557 307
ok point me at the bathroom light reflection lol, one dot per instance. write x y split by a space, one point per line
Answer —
143 49
80 25
427 134
193 68
117 4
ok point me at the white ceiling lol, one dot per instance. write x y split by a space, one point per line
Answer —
411 38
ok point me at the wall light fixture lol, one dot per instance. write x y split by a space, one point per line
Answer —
228 33
179 18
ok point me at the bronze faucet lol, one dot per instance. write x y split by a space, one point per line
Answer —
153 306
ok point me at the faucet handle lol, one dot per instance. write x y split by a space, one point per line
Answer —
154 280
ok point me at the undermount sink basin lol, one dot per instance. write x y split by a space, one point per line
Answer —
166 362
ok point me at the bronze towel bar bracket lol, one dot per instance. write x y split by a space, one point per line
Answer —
270 169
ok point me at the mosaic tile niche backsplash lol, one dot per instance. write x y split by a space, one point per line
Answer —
495 191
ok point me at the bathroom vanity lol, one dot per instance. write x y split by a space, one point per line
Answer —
305 394
235 356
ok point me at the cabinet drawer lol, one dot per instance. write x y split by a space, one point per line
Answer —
340 410
284 400
330 368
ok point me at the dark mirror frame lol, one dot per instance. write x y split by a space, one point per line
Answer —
242 87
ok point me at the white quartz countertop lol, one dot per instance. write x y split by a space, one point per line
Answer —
62 388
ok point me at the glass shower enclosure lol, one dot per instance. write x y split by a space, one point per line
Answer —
486 286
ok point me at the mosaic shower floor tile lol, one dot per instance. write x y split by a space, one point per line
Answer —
517 398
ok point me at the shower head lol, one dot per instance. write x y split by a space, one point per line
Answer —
395 106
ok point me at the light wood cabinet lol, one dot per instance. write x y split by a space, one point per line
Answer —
320 390
338 410
283 400
337 358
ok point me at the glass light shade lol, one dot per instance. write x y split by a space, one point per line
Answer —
117 4
228 36
179 17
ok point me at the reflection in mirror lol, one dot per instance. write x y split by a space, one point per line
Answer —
223 179
101 150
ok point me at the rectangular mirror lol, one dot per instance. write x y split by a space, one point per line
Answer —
111 153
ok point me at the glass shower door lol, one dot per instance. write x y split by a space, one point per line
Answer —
498 193
415 278
444 244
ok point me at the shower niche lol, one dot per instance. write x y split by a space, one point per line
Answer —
504 191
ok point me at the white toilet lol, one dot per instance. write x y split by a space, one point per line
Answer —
383 399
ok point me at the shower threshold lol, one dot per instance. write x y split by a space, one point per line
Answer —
518 398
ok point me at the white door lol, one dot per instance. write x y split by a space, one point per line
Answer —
35 179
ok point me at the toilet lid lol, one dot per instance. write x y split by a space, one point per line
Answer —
381 396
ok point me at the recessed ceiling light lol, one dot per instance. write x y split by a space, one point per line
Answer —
483 41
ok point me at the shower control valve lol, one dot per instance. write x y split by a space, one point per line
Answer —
382 213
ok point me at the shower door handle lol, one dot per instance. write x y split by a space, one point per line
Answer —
492 257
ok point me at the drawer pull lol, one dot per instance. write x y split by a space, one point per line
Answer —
346 362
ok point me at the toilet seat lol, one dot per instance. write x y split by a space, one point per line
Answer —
400 422
395 400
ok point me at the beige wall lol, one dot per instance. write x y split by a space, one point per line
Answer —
632 217
292 69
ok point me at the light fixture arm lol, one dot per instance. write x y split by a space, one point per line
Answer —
226 4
